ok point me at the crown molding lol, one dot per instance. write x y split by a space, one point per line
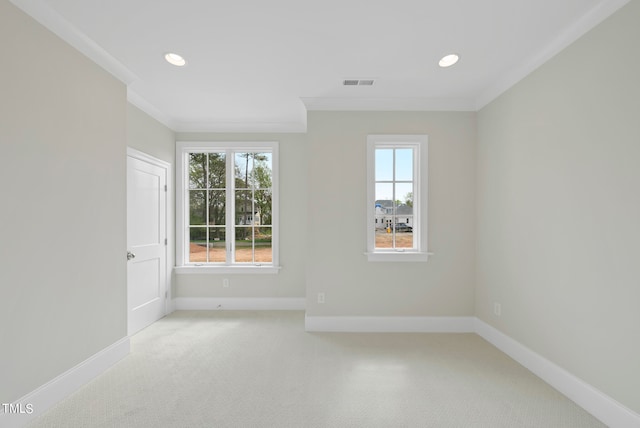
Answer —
49 18
144 105
595 16
242 126
388 104
55 23
213 125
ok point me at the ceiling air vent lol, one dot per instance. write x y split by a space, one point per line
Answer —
354 82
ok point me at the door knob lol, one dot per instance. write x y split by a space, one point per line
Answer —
130 255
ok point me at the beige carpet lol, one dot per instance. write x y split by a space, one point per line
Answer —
261 369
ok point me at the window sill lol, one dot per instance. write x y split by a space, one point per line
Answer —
207 270
398 256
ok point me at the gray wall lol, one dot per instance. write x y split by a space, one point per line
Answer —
554 239
289 282
559 209
336 263
149 136
63 217
323 215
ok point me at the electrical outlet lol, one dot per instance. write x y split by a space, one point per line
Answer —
320 297
497 309
225 282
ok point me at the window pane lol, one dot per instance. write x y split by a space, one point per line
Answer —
217 207
384 164
253 170
197 170
253 245
244 207
263 213
380 216
217 169
404 237
197 207
404 164
393 214
384 192
261 171
243 233
263 245
244 244
198 244
404 216
227 180
217 245
384 236
404 193
242 167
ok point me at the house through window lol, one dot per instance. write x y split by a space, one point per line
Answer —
396 189
227 205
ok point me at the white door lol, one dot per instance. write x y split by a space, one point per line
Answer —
146 242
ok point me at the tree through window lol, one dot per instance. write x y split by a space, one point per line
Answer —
228 204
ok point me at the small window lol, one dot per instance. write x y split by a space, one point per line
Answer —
397 200
226 207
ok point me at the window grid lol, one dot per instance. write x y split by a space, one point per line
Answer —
393 222
258 219
207 189
396 193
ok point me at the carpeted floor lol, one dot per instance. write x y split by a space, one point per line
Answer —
261 369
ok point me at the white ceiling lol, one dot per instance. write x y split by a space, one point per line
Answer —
259 65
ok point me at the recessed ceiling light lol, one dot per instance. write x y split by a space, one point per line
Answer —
448 60
175 59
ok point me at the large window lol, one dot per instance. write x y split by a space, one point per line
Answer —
396 197
227 207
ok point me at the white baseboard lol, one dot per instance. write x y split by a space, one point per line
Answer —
390 324
600 405
240 303
64 385
603 407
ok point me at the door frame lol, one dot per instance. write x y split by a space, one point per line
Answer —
144 157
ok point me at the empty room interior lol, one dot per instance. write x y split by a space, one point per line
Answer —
498 279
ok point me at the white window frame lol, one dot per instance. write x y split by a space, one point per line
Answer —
419 143
183 266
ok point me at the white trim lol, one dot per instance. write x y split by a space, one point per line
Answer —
369 324
388 104
235 269
600 405
242 126
137 100
595 16
182 183
134 153
48 17
67 383
419 143
56 23
241 303
137 154
398 256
